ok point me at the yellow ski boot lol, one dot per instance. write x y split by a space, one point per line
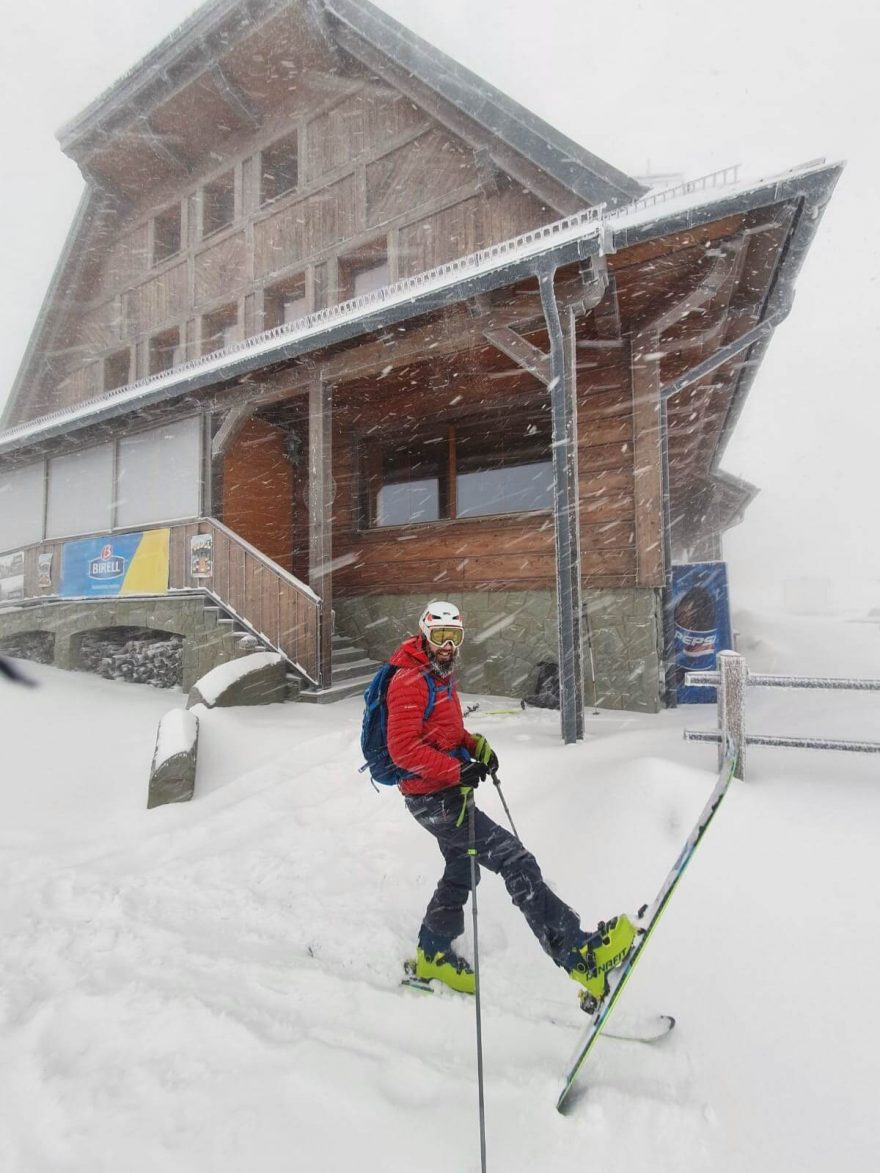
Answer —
601 952
447 967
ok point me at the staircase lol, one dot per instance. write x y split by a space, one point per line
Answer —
352 670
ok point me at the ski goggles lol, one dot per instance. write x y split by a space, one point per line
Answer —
439 636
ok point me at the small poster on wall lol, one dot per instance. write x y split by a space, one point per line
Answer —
202 555
44 570
11 576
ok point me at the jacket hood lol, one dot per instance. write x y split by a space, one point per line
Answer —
410 654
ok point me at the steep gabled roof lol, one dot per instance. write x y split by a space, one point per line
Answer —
590 177
362 30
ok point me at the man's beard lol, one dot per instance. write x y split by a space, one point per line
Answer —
441 668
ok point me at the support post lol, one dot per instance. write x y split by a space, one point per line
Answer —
565 512
321 518
733 677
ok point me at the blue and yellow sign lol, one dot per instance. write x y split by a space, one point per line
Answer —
121 564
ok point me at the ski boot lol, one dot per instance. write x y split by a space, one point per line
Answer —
600 952
446 966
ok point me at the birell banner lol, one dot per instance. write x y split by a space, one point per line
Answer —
121 564
702 624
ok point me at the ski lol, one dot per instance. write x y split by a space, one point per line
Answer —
641 1028
646 923
636 1028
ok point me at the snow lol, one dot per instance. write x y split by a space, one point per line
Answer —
212 987
178 733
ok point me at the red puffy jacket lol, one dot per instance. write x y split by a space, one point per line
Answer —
423 747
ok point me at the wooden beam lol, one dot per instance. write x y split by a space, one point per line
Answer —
516 165
529 357
235 420
320 516
235 97
487 171
160 145
316 18
647 458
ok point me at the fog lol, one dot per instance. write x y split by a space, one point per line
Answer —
663 86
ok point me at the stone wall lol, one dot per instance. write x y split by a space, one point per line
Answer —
208 638
508 633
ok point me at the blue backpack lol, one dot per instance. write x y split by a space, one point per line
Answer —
374 729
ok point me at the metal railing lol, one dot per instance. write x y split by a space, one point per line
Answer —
733 677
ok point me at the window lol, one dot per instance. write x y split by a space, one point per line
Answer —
166 234
472 469
219 329
80 493
165 351
116 369
218 204
279 173
285 302
364 271
509 470
159 474
22 501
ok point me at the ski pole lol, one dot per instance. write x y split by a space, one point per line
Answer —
472 852
497 782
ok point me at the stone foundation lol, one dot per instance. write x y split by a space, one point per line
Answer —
208 638
508 633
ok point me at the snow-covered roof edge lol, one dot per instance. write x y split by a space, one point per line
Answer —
593 231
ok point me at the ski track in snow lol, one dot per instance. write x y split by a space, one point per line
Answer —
214 986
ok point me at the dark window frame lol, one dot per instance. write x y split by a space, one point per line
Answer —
214 323
463 446
160 346
167 233
366 259
214 194
112 367
278 293
279 168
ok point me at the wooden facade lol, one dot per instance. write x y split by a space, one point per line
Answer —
280 158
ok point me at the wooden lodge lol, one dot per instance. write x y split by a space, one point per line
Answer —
339 328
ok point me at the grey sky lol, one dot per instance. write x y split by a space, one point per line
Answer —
680 84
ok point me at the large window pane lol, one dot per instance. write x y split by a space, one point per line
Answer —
80 493
513 489
159 475
22 494
411 501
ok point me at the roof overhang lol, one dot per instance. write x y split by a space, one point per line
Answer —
565 242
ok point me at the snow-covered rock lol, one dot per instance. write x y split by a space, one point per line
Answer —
173 773
257 679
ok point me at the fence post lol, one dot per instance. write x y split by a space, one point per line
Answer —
733 676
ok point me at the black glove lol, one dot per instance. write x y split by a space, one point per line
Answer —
472 774
485 753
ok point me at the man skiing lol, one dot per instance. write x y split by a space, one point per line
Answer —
443 763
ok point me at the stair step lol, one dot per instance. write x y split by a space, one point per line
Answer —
347 655
336 692
358 669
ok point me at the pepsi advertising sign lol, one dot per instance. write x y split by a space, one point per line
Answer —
701 607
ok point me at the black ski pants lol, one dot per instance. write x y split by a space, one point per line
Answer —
551 920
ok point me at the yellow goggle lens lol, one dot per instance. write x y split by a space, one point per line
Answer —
444 635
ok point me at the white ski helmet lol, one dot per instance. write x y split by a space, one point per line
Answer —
441 623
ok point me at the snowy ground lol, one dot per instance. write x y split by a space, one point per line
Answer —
213 987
